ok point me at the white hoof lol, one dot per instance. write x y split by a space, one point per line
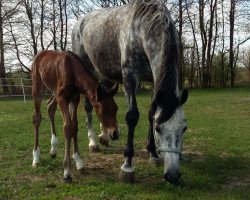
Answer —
78 160
36 156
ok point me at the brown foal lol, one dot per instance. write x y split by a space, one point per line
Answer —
65 75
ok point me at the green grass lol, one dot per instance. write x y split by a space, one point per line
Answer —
216 162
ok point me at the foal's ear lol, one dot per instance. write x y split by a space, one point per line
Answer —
104 92
184 96
111 92
99 92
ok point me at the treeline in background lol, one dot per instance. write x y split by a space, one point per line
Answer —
214 37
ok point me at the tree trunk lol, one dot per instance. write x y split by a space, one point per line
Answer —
196 49
181 65
54 25
223 82
42 23
2 67
231 42
204 81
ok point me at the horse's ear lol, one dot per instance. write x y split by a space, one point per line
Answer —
184 96
111 92
159 97
99 92
104 92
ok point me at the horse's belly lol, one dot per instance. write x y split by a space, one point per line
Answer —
109 72
107 64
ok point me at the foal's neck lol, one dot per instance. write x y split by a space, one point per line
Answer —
88 87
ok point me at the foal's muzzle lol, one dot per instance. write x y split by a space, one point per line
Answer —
114 135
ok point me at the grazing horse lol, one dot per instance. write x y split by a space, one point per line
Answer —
64 74
132 43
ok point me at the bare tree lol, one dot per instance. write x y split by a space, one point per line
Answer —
182 70
193 49
222 59
203 26
7 10
231 50
63 23
246 61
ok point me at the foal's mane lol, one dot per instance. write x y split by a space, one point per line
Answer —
82 63
157 18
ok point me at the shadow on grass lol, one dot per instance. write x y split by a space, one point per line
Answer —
214 172
206 173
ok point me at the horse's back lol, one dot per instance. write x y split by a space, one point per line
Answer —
96 38
133 35
54 68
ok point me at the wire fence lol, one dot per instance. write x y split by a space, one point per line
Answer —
17 87
22 87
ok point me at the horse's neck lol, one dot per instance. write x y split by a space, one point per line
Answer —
88 87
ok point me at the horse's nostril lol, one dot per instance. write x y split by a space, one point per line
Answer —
172 177
115 135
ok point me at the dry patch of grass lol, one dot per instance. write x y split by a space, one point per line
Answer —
236 182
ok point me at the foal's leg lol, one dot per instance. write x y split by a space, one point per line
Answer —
67 128
132 116
93 144
37 92
73 113
51 108
104 136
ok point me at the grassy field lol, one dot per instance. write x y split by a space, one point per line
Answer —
216 151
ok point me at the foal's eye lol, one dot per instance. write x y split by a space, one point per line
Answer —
104 112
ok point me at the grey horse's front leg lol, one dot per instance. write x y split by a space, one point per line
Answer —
154 158
93 144
132 117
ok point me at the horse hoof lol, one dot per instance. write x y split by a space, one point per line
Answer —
156 161
127 177
82 171
94 149
104 140
35 165
53 155
68 179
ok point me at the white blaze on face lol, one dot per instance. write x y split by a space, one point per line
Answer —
168 135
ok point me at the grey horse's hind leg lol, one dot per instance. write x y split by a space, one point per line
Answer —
93 144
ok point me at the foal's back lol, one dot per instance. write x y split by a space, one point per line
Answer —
58 70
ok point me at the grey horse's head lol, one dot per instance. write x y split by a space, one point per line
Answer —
168 133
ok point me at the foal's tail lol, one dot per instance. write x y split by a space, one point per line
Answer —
38 88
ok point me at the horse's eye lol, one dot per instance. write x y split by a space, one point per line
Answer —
158 129
184 129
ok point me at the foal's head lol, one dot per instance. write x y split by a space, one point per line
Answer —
106 110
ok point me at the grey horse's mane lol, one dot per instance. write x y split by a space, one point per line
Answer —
155 17
151 12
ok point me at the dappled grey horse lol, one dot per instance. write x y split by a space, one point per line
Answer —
132 43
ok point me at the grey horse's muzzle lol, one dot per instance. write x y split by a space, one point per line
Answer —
173 175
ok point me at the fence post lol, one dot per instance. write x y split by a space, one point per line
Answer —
24 98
